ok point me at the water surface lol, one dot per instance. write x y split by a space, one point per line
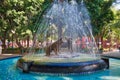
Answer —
8 71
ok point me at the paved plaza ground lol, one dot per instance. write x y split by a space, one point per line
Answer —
110 54
5 56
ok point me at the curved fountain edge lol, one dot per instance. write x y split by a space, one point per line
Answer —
64 68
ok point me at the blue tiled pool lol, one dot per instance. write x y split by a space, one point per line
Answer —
8 71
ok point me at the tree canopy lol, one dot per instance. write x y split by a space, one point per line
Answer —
17 17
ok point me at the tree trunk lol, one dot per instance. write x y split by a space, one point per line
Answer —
19 44
97 40
28 39
34 40
4 40
101 39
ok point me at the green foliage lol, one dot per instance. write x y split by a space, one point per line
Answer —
36 20
16 17
114 26
100 12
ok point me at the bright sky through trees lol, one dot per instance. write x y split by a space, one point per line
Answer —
117 4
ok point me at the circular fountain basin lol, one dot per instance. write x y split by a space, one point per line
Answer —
64 64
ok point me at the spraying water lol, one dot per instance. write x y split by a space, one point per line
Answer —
71 22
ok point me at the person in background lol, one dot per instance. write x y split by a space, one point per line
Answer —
0 47
78 42
119 47
69 42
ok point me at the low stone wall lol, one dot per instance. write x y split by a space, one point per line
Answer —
64 68
10 50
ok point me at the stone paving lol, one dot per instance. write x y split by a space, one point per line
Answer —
112 54
5 56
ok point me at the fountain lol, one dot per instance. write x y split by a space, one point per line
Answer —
65 41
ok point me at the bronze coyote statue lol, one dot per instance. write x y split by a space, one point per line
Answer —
53 47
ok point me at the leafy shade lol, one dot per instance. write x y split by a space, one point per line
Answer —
100 12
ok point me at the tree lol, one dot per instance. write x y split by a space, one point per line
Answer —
16 17
101 14
115 26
